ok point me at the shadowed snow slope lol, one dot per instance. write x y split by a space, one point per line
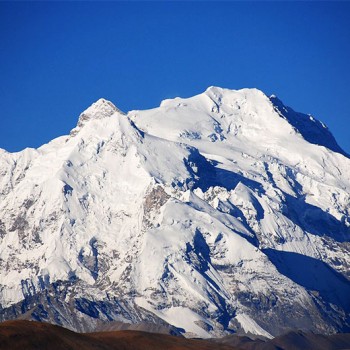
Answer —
219 213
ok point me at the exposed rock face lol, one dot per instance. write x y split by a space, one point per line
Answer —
219 213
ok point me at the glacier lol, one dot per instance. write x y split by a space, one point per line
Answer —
221 213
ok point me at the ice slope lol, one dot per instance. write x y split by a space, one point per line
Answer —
214 213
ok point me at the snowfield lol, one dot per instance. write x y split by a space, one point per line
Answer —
219 213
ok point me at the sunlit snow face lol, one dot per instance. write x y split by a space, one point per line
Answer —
196 212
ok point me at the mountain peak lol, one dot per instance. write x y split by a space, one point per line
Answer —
102 108
220 90
213 214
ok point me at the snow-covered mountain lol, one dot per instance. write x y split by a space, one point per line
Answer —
225 212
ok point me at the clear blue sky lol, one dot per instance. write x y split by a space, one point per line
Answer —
56 58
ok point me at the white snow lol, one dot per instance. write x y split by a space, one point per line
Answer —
176 205
179 317
249 325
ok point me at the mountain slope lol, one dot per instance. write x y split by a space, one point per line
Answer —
213 214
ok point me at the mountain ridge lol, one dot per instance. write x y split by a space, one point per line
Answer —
193 214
